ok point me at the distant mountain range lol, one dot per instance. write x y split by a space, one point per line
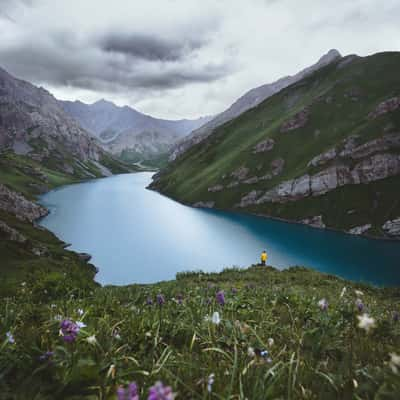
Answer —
32 123
124 130
323 151
249 100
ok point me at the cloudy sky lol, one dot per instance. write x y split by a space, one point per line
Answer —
182 58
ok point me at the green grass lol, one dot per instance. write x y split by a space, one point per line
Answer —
334 116
315 354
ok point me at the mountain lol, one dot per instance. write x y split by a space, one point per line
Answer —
324 151
125 130
33 124
249 100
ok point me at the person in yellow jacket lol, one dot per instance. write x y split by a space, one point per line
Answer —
264 258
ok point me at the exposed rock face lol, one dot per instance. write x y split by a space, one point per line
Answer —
297 121
264 146
392 228
249 100
359 230
315 221
387 142
385 107
277 166
18 205
204 204
377 167
240 173
32 115
216 188
250 198
11 233
323 158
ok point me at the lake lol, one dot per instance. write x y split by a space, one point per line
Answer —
139 236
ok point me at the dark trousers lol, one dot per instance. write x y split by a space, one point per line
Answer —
263 263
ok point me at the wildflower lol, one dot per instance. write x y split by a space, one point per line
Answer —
179 298
359 293
234 290
116 334
131 393
394 362
220 297
264 353
10 338
342 293
250 352
23 284
69 330
80 311
366 322
270 342
46 356
207 318
81 324
160 299
323 304
58 317
210 382
216 320
161 392
111 371
53 305
91 339
149 301
360 305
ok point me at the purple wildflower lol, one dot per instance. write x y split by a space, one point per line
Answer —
149 301
323 304
160 299
234 290
10 338
161 392
179 298
220 297
69 330
360 305
131 393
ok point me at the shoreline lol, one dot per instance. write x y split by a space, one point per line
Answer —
280 219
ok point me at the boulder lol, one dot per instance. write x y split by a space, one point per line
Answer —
297 121
14 203
11 233
216 188
204 204
323 158
384 107
359 230
250 198
241 173
265 145
392 227
315 221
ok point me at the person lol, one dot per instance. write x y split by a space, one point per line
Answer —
263 258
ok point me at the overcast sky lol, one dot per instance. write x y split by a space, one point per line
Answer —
182 58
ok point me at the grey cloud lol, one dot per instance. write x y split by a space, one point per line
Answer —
149 47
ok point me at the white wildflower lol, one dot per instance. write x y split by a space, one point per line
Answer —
250 352
323 304
91 339
359 293
216 320
394 362
80 311
270 342
81 324
10 338
343 292
210 382
366 322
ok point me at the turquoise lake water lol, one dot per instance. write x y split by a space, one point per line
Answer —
137 235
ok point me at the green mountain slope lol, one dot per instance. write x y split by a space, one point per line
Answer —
324 151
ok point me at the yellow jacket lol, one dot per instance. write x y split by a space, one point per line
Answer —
264 256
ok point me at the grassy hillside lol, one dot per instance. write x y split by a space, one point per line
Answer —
336 101
294 334
42 253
